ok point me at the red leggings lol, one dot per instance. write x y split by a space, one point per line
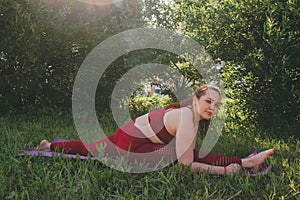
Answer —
78 147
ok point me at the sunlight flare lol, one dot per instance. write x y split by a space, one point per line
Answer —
101 2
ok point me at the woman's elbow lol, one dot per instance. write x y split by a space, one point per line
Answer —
185 161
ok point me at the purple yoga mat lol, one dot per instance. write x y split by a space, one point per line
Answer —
264 169
54 154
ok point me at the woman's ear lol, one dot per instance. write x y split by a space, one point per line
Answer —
195 100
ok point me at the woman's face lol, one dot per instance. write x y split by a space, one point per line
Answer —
207 105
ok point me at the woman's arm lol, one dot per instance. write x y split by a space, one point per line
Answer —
230 169
185 133
180 123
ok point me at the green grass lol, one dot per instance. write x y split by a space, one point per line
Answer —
62 178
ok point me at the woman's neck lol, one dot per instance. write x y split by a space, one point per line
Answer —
196 118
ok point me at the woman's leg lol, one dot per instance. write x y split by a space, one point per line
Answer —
219 160
216 159
153 154
71 147
79 147
170 152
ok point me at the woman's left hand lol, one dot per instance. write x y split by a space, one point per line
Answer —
233 168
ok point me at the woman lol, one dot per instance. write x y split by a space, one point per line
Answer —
155 131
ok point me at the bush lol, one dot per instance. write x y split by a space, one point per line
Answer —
44 43
260 41
141 105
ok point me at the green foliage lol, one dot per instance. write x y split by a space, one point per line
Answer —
44 43
122 65
142 105
260 41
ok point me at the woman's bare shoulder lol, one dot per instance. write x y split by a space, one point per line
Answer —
179 112
174 118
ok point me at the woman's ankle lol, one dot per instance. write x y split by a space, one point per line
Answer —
246 163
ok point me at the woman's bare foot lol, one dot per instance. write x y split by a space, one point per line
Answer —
44 145
253 163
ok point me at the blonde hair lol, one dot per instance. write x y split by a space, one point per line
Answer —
198 92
